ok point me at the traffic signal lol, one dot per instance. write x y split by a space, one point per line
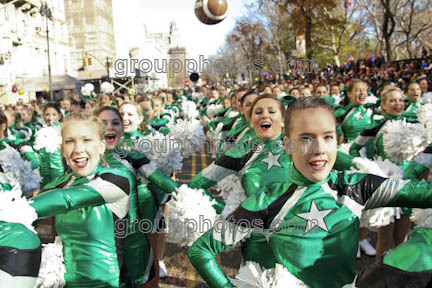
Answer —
89 61
83 62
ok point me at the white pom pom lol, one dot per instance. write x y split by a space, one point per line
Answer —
403 141
283 278
378 167
213 109
87 89
232 192
15 209
422 217
213 135
190 134
107 87
252 276
337 98
48 138
19 171
191 210
189 110
52 270
371 99
424 116
427 97
165 153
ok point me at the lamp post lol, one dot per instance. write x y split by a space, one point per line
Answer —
46 11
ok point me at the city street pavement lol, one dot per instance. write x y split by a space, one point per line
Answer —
180 271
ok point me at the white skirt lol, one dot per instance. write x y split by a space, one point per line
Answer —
379 217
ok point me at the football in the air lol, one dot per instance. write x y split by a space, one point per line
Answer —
211 12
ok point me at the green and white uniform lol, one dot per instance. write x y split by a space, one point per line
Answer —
312 227
87 210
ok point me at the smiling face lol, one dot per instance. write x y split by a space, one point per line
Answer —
358 94
314 131
267 120
106 100
414 92
51 116
113 128
81 146
131 119
393 103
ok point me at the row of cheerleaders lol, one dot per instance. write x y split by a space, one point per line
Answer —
352 163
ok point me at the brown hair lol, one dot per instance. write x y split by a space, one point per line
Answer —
108 108
303 103
55 107
3 119
267 96
82 115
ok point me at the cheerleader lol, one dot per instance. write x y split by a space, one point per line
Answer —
22 146
394 222
322 252
160 119
47 142
357 115
258 160
87 204
140 264
414 100
132 118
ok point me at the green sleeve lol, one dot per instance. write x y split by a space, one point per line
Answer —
361 141
60 201
103 189
411 115
202 255
414 194
343 161
387 192
414 171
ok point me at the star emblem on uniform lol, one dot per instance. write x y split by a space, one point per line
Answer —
315 217
359 116
272 160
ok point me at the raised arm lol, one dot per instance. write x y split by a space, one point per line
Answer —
104 188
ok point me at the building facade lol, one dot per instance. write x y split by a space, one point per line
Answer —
91 33
23 46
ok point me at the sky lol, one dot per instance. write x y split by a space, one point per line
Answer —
198 38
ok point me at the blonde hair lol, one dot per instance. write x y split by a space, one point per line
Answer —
82 115
387 91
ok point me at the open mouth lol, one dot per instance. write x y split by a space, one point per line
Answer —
265 126
81 162
318 165
110 138
362 98
398 109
